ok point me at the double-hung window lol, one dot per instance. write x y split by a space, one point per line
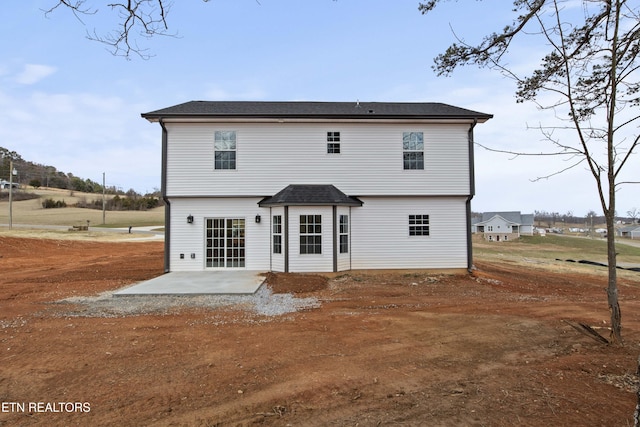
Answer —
344 234
333 142
225 149
413 150
310 234
418 225
277 234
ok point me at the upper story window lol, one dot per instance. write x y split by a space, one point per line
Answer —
413 150
333 142
225 149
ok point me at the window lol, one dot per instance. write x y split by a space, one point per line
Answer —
418 225
333 142
225 149
489 227
277 234
413 150
310 234
344 234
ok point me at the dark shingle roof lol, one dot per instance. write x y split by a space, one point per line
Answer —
510 216
264 109
310 195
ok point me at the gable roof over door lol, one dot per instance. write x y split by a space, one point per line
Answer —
310 195
327 110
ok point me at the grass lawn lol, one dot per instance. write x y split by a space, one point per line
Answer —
31 212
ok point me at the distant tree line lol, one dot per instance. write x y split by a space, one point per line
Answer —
38 175
128 202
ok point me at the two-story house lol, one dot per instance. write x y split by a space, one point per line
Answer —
503 226
317 186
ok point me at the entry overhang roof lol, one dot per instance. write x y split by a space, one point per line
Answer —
310 195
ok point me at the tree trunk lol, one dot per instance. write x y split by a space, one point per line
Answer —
612 288
636 414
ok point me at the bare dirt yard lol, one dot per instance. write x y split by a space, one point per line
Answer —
492 348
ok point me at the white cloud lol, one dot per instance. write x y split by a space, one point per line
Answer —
84 134
33 73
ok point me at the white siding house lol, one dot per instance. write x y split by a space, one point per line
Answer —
317 186
503 226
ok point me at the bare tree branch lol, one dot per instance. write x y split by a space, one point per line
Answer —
135 19
592 67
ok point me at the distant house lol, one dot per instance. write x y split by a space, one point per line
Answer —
7 184
317 186
503 226
630 231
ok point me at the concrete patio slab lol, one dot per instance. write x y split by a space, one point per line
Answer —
198 283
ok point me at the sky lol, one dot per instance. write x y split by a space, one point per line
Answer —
66 101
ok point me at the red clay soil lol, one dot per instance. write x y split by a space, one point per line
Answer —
494 348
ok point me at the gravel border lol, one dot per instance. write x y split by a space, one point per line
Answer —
262 303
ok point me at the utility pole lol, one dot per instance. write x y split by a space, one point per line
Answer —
104 203
11 171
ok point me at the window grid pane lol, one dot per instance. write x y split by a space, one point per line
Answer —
277 234
344 234
333 142
310 234
225 241
413 150
333 136
418 225
225 160
225 149
333 148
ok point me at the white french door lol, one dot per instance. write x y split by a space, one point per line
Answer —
225 242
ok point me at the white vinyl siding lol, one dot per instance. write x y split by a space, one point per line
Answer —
311 262
189 239
380 236
271 156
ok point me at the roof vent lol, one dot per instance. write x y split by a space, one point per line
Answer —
370 111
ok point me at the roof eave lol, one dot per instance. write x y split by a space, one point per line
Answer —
153 118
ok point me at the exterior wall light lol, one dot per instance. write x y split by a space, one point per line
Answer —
190 219
257 219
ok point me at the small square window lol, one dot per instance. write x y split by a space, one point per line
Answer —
333 142
418 225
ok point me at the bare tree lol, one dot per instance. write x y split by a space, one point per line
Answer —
633 214
588 78
133 19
